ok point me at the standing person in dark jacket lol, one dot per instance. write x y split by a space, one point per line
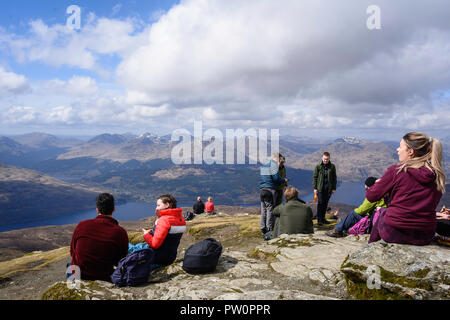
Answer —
269 181
280 189
324 182
98 244
415 185
167 232
199 206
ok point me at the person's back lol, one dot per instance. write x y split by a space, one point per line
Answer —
414 198
415 186
293 216
199 206
209 207
270 176
97 246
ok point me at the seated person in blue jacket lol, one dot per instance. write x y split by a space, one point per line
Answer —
366 208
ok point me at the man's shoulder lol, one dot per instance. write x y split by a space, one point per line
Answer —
86 222
296 203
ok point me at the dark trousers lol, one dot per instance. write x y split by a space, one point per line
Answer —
443 228
322 205
278 197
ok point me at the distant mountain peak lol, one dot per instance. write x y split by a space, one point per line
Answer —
148 135
350 140
109 138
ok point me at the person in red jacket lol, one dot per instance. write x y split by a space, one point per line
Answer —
416 186
167 232
98 244
209 207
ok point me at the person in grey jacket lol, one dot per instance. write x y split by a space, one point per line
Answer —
269 181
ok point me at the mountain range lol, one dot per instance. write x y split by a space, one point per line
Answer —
139 168
27 195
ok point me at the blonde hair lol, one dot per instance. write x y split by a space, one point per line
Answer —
209 199
427 153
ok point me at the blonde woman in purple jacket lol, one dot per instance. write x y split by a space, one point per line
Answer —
416 185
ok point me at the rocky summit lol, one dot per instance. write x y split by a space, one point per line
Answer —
300 267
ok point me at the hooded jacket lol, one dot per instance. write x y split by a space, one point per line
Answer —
414 198
166 235
270 176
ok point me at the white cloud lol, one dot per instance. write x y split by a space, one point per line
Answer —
60 114
294 64
19 115
12 83
57 45
259 55
75 86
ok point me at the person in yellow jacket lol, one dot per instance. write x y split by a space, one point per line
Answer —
366 208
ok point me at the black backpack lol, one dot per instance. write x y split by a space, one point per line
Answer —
189 215
202 257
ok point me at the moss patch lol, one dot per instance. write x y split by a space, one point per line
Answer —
292 243
360 291
61 291
262 255
404 281
358 288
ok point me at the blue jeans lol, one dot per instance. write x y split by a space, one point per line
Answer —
349 221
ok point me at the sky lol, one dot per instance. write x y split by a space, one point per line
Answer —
308 68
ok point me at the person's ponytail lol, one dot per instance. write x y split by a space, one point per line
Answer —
428 153
436 164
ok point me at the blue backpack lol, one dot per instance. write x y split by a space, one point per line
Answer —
134 269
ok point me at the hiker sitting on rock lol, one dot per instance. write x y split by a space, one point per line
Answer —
98 244
199 206
293 216
416 185
167 232
443 222
209 207
366 208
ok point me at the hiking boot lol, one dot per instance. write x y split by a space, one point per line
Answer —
334 233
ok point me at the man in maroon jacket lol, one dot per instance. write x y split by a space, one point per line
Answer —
99 244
